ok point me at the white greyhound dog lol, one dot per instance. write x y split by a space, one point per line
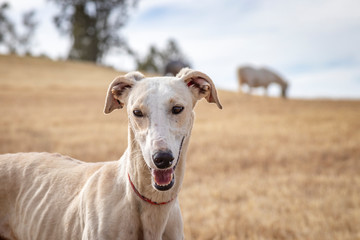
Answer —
50 196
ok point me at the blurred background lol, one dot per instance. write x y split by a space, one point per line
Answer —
314 45
260 168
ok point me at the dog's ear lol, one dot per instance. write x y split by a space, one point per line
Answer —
119 89
200 85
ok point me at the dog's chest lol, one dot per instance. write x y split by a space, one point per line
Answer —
153 220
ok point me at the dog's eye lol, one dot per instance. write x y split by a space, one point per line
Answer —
177 109
138 113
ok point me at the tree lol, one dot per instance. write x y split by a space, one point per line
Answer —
93 26
172 52
156 60
151 63
30 26
10 37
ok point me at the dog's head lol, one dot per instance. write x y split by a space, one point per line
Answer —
160 111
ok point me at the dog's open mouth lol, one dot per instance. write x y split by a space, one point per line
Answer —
163 180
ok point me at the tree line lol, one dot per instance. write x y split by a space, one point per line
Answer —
94 29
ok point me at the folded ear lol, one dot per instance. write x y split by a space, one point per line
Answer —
119 89
200 85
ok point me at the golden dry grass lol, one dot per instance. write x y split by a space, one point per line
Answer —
261 168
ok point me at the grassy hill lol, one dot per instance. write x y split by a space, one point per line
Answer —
261 168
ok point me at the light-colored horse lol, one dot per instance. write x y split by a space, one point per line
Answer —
261 77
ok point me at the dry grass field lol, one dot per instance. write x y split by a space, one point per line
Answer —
261 168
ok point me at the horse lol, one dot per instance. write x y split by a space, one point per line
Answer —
260 77
173 67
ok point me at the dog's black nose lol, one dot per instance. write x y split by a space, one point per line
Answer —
163 159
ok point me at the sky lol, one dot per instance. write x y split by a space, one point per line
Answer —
313 44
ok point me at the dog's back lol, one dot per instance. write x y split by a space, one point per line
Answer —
35 188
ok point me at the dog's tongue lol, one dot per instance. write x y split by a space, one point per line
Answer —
163 177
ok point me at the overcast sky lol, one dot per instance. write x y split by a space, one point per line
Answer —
314 44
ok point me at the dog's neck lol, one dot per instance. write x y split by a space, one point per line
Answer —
140 173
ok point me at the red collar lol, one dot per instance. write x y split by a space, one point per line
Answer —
145 198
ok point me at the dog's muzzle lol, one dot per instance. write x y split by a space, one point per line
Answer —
164 175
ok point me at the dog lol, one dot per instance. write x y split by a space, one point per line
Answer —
50 196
